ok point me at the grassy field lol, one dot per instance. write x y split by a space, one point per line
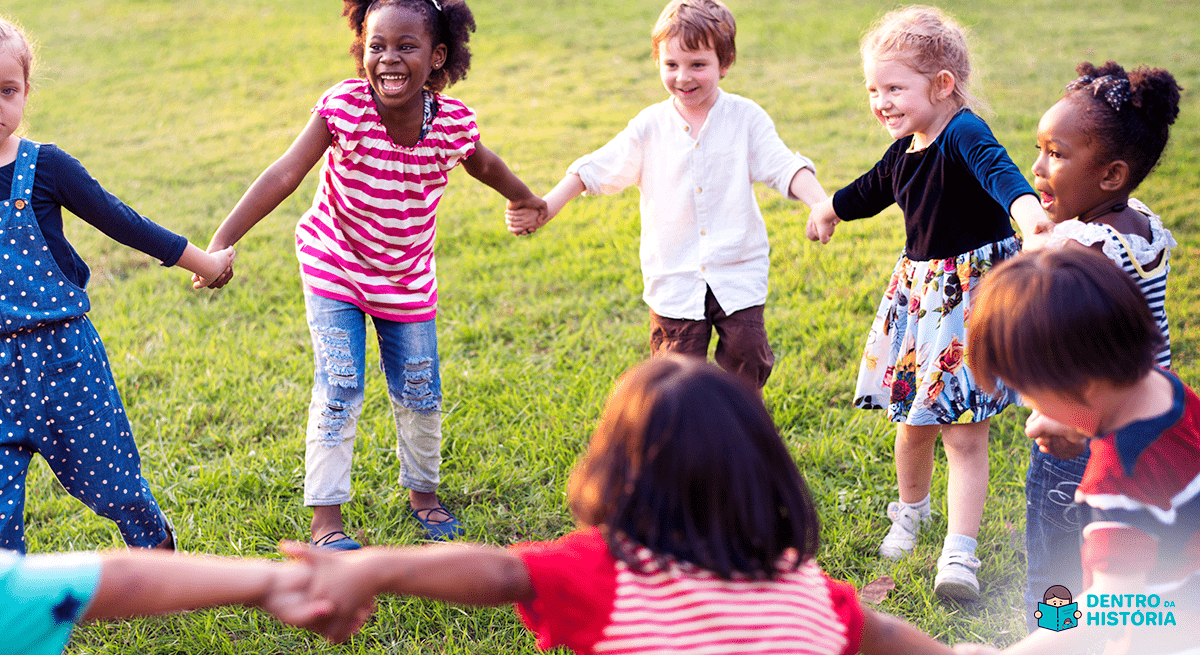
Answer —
176 106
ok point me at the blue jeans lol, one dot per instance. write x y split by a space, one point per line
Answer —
1052 527
409 360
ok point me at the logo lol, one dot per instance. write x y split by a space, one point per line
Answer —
1056 611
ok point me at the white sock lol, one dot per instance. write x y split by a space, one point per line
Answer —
959 542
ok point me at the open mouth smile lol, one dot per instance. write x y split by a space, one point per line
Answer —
392 82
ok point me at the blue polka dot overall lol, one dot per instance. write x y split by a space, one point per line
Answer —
58 395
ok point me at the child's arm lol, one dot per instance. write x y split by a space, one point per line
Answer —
136 583
806 188
467 574
206 267
1035 227
528 221
272 187
487 167
884 634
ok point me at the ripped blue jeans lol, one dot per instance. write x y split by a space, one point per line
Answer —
409 359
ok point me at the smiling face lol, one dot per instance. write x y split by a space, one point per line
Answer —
905 102
1068 171
13 94
398 56
690 76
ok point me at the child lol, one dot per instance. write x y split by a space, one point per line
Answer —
695 158
43 596
1074 336
697 533
1095 146
366 245
956 186
58 394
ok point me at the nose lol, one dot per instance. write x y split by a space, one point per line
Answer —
1039 165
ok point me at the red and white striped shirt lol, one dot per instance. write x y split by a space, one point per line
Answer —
592 603
368 237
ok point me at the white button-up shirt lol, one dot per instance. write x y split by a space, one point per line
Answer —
701 225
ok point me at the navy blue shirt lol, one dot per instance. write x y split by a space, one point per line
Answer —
955 194
61 181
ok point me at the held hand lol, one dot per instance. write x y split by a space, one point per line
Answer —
821 222
290 600
218 270
525 216
339 580
1054 438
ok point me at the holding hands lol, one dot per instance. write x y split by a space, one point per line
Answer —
821 221
1054 438
525 216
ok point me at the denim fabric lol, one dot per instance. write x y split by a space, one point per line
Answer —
1052 527
409 360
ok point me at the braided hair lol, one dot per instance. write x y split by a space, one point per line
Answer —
450 22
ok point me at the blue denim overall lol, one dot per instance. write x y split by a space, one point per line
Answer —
57 395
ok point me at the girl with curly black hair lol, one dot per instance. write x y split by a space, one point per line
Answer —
388 142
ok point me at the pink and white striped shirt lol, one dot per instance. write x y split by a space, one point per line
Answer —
368 237
592 603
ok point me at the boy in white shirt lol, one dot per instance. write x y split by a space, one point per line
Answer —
695 158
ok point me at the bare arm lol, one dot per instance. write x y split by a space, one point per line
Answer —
805 188
487 167
1035 227
136 583
272 187
884 634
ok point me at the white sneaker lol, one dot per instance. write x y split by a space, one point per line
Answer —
956 576
902 536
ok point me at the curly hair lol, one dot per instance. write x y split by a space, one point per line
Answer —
1130 113
450 25
928 40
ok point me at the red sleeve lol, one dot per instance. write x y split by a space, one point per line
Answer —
844 599
574 582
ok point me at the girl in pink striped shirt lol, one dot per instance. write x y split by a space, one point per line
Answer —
697 533
387 142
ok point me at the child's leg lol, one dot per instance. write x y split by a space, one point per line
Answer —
677 335
14 464
742 347
1052 530
409 358
914 471
87 440
966 491
338 331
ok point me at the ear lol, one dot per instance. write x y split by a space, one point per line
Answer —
943 84
724 70
1116 176
439 56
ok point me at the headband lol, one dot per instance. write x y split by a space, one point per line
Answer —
1115 89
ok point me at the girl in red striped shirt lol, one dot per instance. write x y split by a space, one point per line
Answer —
388 142
696 532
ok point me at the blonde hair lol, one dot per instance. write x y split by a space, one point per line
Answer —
14 41
928 40
699 24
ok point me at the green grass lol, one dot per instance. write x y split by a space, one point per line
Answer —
176 106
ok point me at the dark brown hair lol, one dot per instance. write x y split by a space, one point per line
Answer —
1056 319
451 26
1130 113
698 24
687 462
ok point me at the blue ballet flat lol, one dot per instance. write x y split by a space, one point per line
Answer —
445 527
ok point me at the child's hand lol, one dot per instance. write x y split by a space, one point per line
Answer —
342 583
289 597
1054 438
821 222
526 216
216 271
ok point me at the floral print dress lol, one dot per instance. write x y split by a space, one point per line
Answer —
916 362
